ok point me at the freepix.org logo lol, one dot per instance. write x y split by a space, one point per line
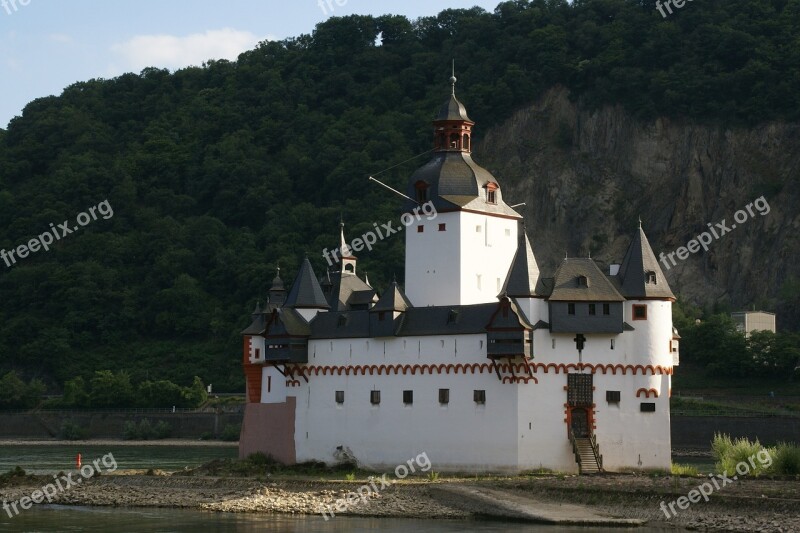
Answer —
55 233
381 232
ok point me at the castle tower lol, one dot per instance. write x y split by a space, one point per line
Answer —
462 236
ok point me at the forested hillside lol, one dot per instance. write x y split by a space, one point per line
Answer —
216 174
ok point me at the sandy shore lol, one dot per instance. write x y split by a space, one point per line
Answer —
746 505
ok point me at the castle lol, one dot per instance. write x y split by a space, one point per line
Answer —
483 362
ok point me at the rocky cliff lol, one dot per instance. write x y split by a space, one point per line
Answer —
588 175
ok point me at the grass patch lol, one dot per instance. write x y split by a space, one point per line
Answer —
684 470
781 460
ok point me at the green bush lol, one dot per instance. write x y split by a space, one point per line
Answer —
145 430
231 432
728 453
786 460
72 431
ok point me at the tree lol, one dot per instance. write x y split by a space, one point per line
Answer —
111 390
15 394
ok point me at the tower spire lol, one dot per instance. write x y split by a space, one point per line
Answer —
453 78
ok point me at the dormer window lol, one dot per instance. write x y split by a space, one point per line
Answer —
452 316
421 189
491 193
583 281
650 276
342 321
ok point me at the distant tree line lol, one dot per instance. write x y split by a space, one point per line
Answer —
104 390
717 347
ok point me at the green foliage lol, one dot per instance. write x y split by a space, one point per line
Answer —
684 470
433 476
145 430
75 394
350 476
212 169
72 431
16 394
111 390
786 459
231 432
729 453
715 345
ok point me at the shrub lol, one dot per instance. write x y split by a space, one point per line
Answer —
72 431
785 459
145 430
729 453
162 430
684 470
231 433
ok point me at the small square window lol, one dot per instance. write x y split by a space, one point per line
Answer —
648 407
479 396
508 232
478 229
408 397
258 353
381 315
444 396
491 197
420 229
571 309
639 312
606 309
613 396
375 397
592 309
340 397
442 227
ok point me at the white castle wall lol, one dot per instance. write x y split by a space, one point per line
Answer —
471 262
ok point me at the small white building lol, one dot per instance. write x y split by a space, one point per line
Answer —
483 362
749 321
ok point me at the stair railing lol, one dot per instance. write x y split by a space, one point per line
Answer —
574 443
596 450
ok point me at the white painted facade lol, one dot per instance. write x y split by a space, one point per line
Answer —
474 251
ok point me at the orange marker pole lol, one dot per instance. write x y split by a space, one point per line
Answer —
78 461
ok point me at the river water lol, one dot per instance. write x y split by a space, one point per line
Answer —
57 518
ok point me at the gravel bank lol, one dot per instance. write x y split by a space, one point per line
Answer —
745 505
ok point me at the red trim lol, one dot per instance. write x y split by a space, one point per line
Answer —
472 368
647 393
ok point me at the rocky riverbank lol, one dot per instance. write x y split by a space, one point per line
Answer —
745 505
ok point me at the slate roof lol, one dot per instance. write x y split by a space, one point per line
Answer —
291 323
416 321
523 278
632 275
452 109
394 299
256 327
565 283
305 291
348 289
456 181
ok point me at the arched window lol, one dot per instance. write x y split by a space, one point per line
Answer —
349 267
465 143
441 143
454 137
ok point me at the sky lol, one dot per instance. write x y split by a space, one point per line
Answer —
47 45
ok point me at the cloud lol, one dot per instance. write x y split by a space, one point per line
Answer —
170 51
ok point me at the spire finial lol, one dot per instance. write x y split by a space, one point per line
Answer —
453 78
